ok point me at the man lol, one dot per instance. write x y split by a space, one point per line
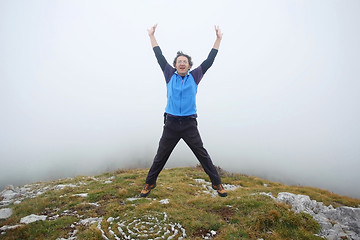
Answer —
180 113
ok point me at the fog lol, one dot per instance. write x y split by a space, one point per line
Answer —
81 92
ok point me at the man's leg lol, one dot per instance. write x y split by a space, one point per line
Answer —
192 138
167 143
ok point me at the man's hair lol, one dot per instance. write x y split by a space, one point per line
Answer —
180 53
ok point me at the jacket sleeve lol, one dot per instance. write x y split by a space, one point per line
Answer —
199 72
205 65
165 66
160 57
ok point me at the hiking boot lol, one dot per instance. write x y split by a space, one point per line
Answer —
220 190
147 189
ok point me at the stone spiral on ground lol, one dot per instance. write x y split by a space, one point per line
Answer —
149 226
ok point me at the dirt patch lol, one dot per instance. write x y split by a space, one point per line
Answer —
205 234
226 213
100 211
200 232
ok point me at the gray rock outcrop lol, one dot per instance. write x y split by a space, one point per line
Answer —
8 195
32 218
336 223
5 213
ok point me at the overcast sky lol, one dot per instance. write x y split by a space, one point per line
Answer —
81 91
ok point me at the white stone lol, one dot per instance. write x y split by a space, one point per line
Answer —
94 204
199 181
84 195
39 193
164 201
32 218
89 221
210 190
5 213
268 194
8 195
230 187
53 218
7 227
132 199
62 186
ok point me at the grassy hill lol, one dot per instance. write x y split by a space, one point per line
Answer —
107 206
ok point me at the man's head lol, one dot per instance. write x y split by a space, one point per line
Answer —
182 63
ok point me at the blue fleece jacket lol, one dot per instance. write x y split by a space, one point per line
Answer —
181 91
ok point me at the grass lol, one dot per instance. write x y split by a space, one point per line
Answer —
241 215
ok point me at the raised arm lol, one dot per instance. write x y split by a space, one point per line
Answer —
219 35
159 56
151 33
211 57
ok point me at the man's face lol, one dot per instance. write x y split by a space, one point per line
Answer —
182 65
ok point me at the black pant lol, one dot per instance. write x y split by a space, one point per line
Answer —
174 130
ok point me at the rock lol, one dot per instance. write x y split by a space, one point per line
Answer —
5 213
7 227
89 221
200 181
340 223
348 218
16 195
268 194
300 203
230 187
132 199
62 186
32 218
84 195
164 201
8 195
94 204
209 190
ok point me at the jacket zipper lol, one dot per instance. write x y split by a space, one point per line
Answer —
181 92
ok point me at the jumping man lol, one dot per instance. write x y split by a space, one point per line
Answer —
180 112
